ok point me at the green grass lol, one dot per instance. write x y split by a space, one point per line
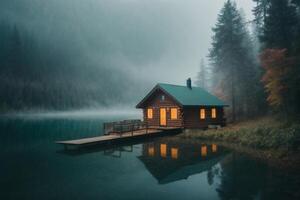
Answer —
263 133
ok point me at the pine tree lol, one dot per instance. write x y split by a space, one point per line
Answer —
232 58
222 53
295 80
201 79
4 38
14 57
296 2
279 27
260 13
279 57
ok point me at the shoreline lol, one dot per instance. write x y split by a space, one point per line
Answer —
279 159
273 142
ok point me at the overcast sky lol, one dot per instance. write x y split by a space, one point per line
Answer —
191 22
151 40
183 33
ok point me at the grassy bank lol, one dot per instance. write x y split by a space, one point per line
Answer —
266 137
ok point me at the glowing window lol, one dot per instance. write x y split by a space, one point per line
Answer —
174 153
214 148
174 113
151 151
202 113
204 151
163 150
213 113
149 113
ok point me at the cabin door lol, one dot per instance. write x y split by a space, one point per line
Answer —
163 117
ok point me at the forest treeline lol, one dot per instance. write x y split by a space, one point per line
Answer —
257 71
36 74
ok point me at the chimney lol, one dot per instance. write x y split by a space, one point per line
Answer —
189 83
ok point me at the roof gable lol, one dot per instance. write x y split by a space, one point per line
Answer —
192 97
185 96
156 89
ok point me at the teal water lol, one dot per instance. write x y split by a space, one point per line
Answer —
34 167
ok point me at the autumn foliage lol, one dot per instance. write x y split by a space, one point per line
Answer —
277 66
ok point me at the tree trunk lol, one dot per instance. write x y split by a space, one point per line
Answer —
233 94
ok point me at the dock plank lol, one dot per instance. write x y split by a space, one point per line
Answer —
111 137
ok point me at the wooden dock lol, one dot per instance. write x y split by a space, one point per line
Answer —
116 137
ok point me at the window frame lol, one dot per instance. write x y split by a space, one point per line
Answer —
148 113
202 117
213 113
171 116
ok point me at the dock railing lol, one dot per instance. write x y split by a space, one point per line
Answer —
124 126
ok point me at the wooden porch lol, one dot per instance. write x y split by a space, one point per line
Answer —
117 132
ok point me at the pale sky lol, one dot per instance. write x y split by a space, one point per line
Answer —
192 35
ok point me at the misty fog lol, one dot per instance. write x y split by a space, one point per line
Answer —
117 48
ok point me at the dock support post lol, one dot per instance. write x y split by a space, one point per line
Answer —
121 132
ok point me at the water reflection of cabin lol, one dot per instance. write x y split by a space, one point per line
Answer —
182 106
170 161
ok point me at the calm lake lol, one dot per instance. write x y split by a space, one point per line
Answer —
34 167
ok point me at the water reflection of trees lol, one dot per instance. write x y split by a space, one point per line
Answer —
240 178
211 174
244 178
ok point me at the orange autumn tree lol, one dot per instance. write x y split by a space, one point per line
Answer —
276 65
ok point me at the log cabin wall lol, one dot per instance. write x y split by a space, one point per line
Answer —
156 102
192 117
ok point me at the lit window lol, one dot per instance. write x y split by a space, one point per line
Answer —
163 150
214 148
149 113
174 153
213 113
162 97
151 151
174 113
204 151
202 113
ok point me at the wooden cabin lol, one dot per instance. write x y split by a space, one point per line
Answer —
187 107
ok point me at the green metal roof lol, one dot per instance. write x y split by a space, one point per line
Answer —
191 97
